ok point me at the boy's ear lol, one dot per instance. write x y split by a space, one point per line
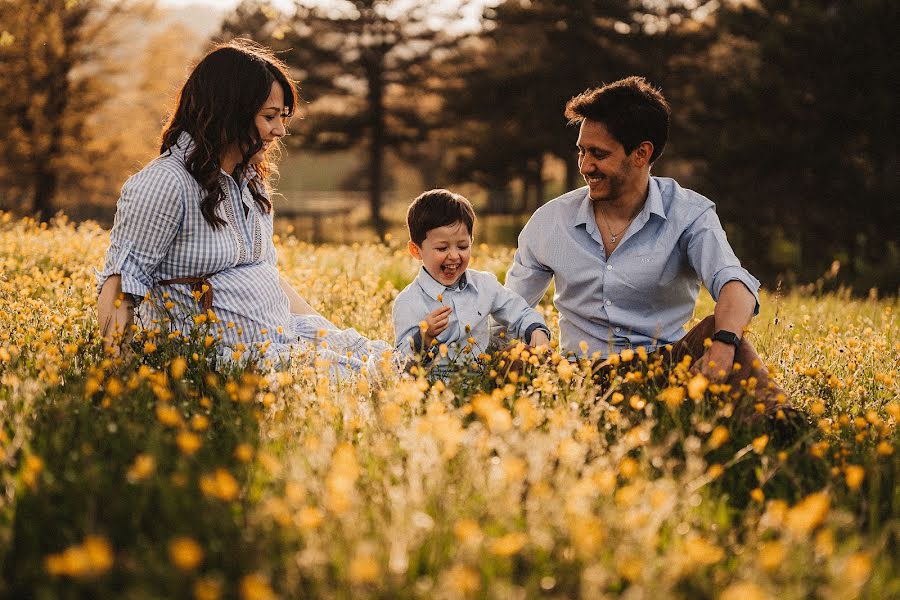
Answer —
414 250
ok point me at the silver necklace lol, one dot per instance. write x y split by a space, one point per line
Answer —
613 236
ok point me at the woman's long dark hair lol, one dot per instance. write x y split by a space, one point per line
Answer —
217 107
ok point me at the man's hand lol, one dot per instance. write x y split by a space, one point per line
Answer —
436 321
716 362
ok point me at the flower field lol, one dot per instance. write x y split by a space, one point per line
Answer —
156 475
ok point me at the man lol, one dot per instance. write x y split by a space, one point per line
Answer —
628 253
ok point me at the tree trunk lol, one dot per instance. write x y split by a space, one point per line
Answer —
45 184
376 148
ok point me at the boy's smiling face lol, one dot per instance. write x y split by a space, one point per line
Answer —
445 252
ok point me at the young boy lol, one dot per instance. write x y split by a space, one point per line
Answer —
448 304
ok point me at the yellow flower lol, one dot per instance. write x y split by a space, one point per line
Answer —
143 467
718 437
807 514
188 442
91 558
467 532
168 415
509 544
32 467
858 568
672 396
759 444
199 423
744 590
99 553
758 495
244 452
207 588
854 474
715 470
697 386
178 367
185 553
391 413
702 552
255 587
771 555
309 517
463 580
219 484
364 569
587 536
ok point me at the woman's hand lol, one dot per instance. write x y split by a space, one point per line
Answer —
298 305
115 312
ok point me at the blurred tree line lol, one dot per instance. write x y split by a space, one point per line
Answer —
784 111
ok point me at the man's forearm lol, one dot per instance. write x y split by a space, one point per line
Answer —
735 306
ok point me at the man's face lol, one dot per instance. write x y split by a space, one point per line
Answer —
603 162
445 252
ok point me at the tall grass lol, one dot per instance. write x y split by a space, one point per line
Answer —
156 475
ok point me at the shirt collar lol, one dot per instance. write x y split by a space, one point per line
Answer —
653 205
434 288
585 214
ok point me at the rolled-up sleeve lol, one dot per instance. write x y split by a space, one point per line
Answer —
712 257
149 213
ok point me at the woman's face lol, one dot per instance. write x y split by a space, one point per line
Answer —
270 121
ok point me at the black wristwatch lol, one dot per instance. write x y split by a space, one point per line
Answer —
727 337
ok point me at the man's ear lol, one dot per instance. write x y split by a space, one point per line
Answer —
642 154
414 250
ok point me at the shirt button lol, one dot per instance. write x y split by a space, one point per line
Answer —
609 267
608 302
618 329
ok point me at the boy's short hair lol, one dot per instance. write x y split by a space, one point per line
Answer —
437 208
631 109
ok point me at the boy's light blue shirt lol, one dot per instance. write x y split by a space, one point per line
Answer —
642 294
477 297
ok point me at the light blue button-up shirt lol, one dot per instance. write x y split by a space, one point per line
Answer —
477 297
645 291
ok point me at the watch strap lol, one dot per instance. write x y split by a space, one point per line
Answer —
727 337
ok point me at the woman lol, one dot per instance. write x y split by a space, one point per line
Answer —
193 229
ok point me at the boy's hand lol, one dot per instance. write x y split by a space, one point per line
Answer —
539 338
436 321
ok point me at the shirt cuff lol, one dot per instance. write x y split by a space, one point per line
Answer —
735 273
534 327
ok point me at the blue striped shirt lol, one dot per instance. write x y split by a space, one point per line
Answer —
159 234
645 291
